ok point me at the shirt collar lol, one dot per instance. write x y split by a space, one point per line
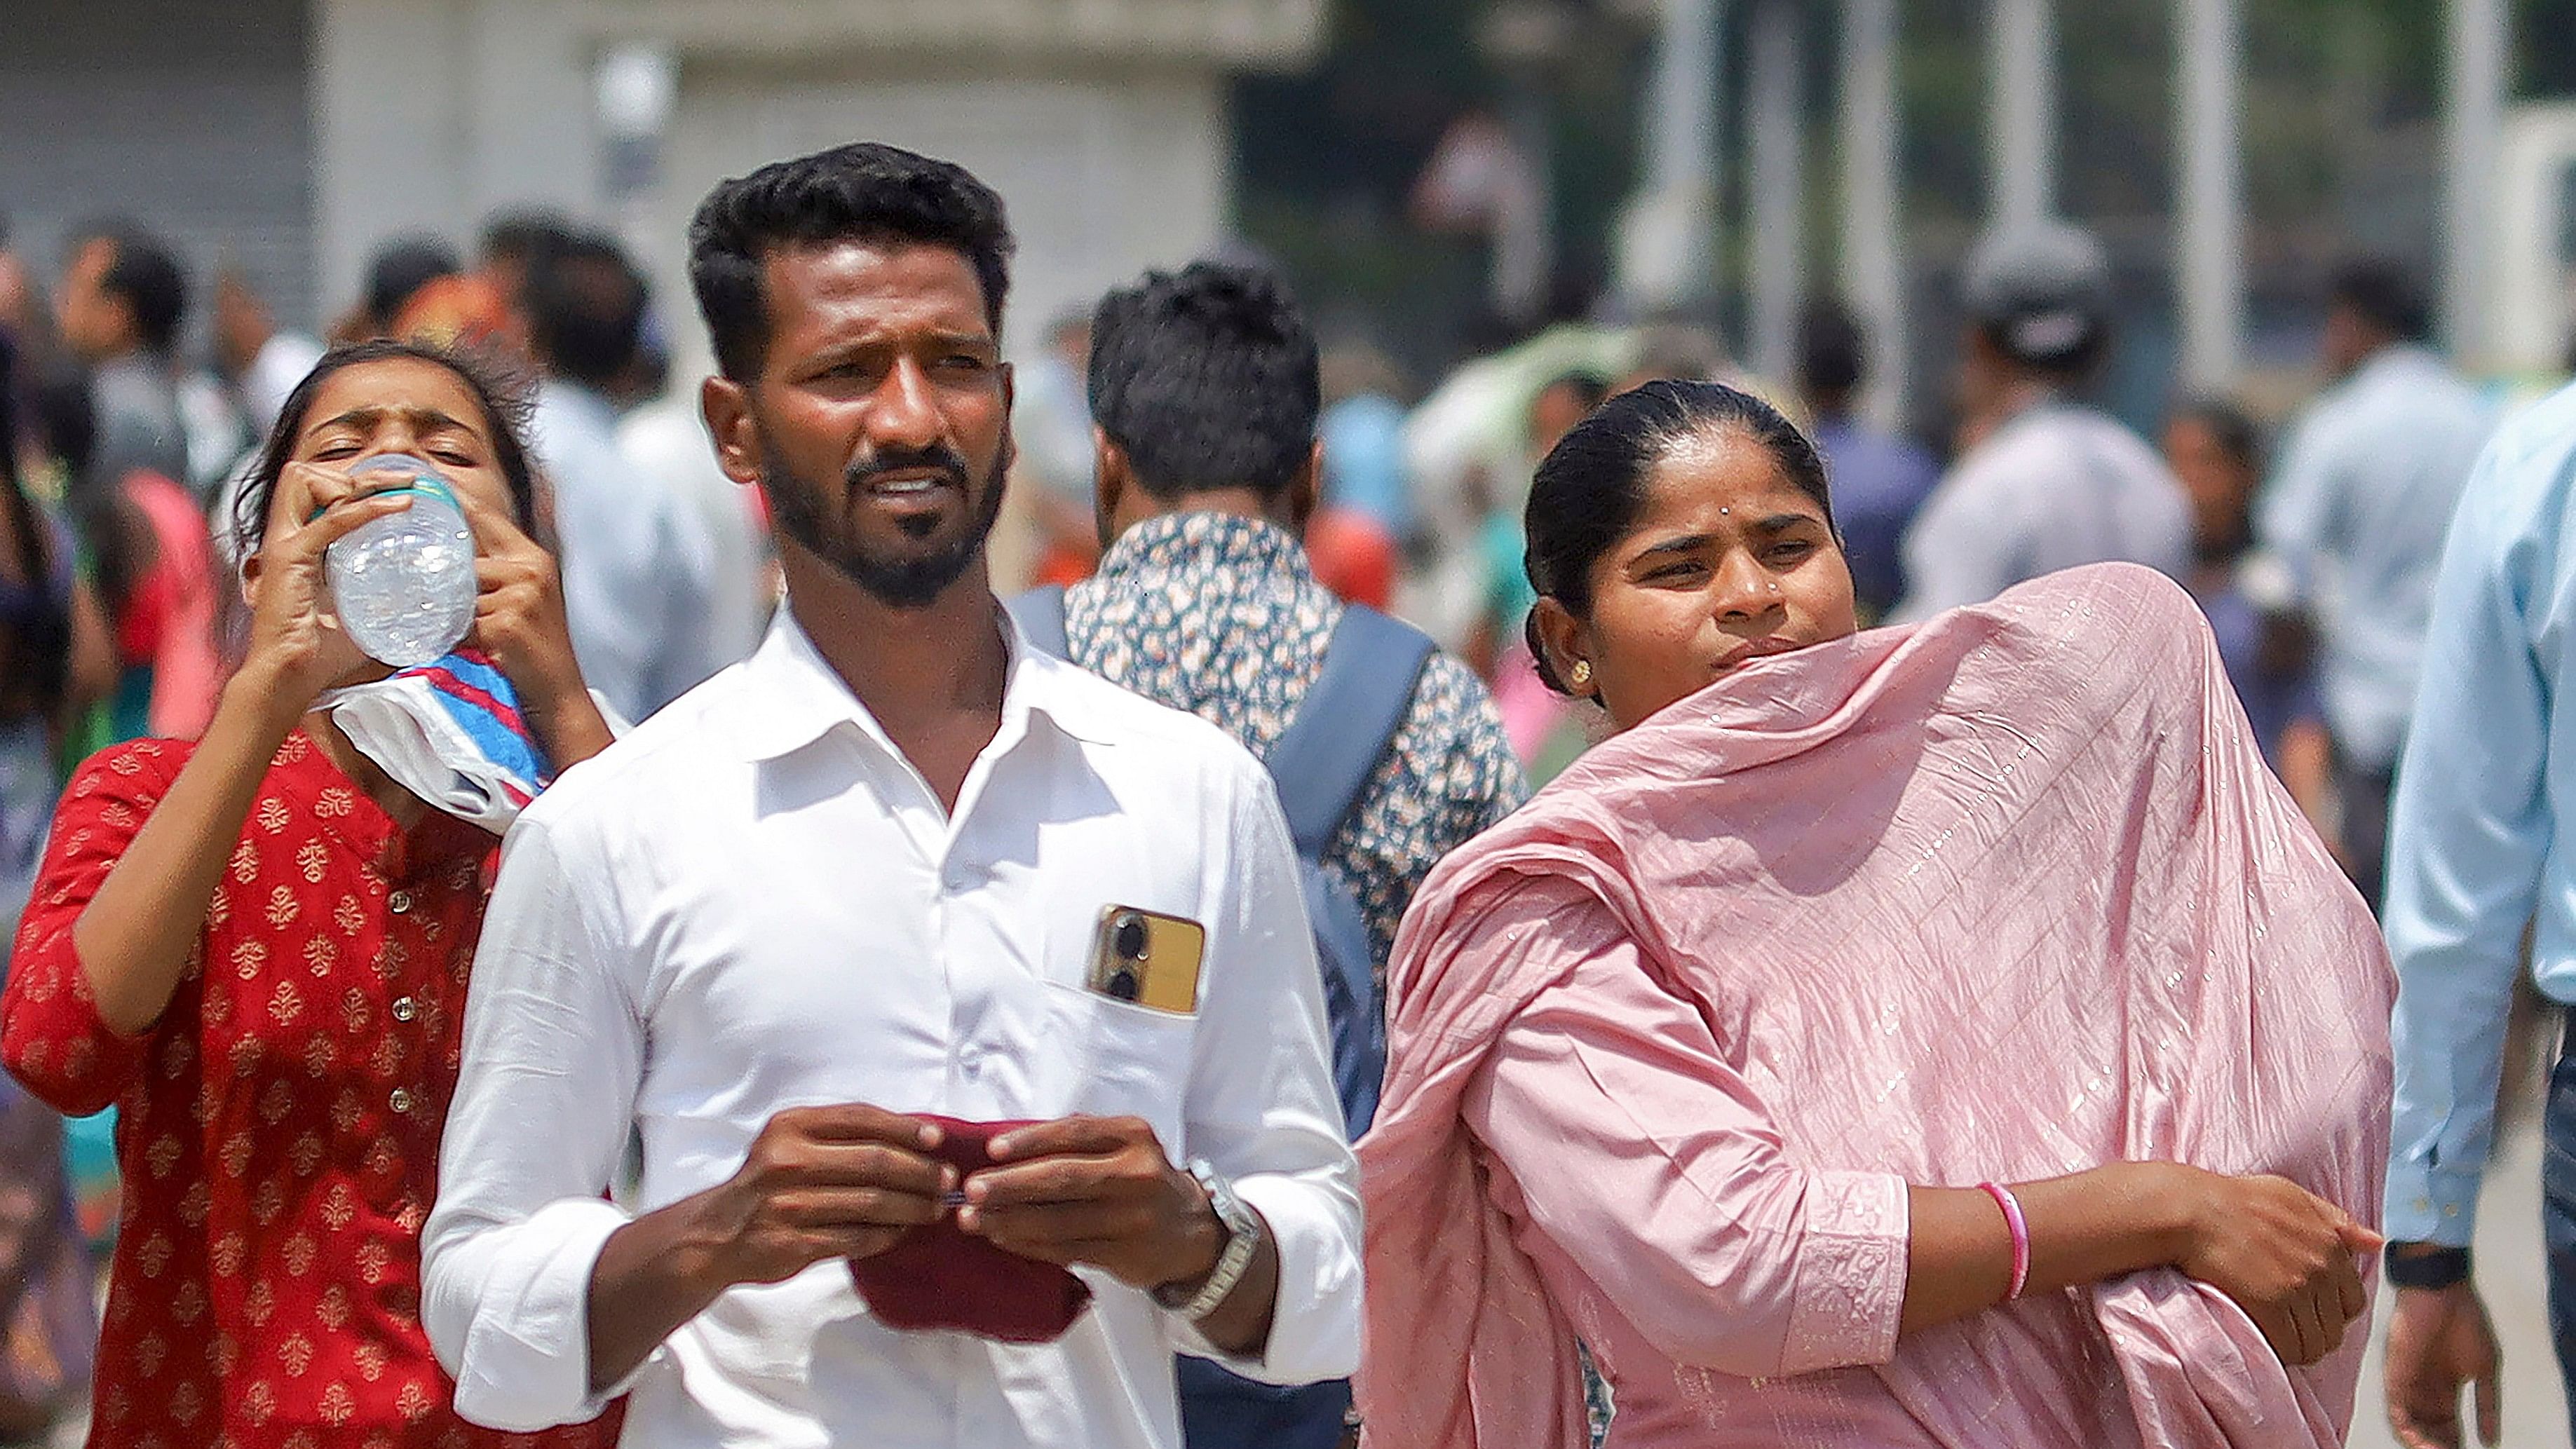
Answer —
793 697
1205 541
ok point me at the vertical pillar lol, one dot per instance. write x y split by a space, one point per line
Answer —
1778 185
1873 267
2209 265
2021 114
1668 239
2472 124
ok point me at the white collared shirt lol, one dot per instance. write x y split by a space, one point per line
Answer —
755 902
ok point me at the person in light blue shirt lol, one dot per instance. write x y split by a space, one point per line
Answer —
2484 818
2356 510
1363 434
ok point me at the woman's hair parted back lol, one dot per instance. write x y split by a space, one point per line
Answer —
505 405
1592 484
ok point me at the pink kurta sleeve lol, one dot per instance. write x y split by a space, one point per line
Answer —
1620 1133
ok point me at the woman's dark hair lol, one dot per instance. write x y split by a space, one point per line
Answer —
502 396
36 647
1592 484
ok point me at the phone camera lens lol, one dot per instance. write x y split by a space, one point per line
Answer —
1130 938
1122 984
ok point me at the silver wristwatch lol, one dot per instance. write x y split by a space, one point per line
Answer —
1243 1228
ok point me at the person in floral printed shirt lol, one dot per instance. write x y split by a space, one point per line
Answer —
257 947
1204 392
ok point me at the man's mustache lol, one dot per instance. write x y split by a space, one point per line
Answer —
938 458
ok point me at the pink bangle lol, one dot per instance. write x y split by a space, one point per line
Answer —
2020 1226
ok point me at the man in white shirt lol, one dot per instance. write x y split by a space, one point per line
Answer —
639 568
885 868
2357 509
2044 481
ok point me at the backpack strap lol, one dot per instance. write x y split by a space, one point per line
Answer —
1040 615
1324 759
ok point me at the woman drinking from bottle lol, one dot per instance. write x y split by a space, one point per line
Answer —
257 946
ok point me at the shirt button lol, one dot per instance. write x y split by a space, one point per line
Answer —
404 1010
399 901
400 1101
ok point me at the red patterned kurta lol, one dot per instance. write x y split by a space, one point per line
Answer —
279 1126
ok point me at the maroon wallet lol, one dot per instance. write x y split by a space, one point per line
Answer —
941 1276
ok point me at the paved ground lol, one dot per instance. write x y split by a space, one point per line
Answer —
2509 1255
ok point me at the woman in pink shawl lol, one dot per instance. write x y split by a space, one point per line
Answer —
1708 1056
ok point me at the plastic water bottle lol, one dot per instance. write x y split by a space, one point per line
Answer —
403 584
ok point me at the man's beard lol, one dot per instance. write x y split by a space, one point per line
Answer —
910 582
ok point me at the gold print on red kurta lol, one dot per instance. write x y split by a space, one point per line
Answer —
248 957
300 1249
283 907
285 1004
230 1249
273 814
339 1207
310 860
337 1404
295 1355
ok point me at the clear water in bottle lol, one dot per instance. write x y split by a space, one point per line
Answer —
403 585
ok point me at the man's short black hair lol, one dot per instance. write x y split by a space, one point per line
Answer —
146 274
2383 292
585 309
864 192
400 268
1207 379
1832 355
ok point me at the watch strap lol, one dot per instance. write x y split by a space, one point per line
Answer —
2413 1265
1243 1239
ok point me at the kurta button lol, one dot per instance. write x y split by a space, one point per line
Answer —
404 1010
399 902
400 1101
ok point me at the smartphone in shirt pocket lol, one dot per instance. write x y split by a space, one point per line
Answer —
1148 959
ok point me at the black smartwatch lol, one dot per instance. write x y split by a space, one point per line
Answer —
2413 1265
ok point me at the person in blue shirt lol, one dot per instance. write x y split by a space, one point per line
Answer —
2216 451
1880 478
2355 508
2485 812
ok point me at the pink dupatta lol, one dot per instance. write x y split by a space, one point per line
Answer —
2001 896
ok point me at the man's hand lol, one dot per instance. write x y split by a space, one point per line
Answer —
822 1182
1098 1190
1095 1190
2438 1341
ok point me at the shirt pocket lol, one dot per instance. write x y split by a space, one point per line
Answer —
1125 1060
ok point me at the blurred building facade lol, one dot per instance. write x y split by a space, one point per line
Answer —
289 137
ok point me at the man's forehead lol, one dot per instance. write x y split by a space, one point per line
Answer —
925 281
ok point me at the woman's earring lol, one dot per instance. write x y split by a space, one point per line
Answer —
1580 676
